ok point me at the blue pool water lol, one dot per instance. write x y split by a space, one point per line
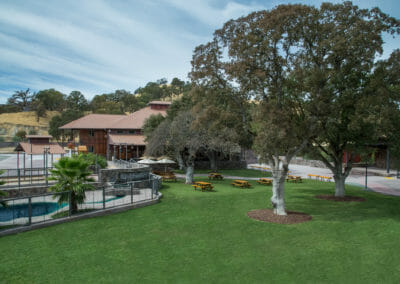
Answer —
38 209
21 210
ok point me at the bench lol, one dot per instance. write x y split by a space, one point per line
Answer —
169 177
325 178
319 177
241 183
166 176
296 179
265 181
203 186
215 176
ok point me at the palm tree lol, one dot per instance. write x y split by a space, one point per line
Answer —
2 193
72 176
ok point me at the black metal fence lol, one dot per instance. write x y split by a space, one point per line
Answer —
25 177
45 207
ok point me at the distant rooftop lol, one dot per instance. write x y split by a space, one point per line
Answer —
134 120
159 103
39 136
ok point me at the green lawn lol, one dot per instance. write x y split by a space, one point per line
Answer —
239 173
203 237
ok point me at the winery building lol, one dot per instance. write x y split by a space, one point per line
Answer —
116 136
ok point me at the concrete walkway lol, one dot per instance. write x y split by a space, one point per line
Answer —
377 181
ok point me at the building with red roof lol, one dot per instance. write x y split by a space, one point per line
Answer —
116 136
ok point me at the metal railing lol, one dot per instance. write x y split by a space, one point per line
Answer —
25 177
45 207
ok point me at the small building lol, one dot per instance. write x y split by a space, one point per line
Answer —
116 136
39 144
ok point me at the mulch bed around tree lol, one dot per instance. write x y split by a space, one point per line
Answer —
267 215
346 198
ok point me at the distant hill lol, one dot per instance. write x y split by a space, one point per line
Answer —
11 123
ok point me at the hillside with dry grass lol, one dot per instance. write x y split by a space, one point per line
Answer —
11 123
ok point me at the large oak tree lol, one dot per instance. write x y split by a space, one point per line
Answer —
307 69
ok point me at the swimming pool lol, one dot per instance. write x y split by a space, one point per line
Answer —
21 210
38 209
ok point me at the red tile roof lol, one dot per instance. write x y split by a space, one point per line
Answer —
117 139
136 120
54 148
107 121
94 121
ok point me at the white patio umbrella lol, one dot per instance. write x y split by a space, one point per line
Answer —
147 157
165 162
147 162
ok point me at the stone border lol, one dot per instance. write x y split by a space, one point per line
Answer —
97 213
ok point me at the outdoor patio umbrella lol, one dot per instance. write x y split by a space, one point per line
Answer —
147 162
165 162
147 157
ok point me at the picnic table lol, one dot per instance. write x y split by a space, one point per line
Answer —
202 185
265 181
291 178
166 176
215 176
319 177
241 183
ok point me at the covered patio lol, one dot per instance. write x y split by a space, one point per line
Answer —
125 147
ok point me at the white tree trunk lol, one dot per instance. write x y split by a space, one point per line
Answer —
339 184
340 179
278 189
180 162
189 174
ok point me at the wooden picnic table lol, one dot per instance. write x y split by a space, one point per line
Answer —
291 178
215 176
202 185
265 181
241 183
166 176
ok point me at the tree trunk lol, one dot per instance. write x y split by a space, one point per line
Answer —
340 185
74 204
212 156
337 169
180 162
278 189
189 173
340 178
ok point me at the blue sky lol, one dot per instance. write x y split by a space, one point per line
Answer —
99 46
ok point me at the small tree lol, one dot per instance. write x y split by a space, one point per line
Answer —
94 160
32 131
151 124
21 134
21 99
72 180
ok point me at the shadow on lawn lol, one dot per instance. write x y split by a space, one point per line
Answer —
376 206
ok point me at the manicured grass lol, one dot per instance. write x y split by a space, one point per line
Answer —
66 213
203 237
239 173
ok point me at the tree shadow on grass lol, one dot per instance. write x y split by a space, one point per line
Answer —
376 206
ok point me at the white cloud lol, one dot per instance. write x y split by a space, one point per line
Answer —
209 15
99 46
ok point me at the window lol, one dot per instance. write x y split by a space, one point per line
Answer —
91 132
91 149
120 131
